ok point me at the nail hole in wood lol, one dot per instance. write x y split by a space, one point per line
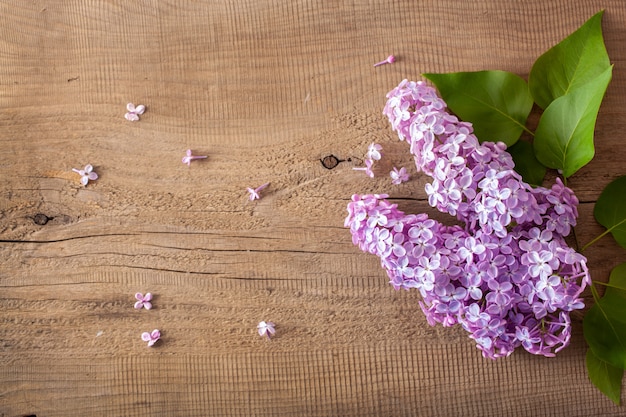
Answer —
40 219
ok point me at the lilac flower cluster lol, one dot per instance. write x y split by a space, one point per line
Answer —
507 276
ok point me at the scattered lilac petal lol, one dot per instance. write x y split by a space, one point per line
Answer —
190 157
134 112
266 329
255 192
389 60
151 337
399 176
86 174
143 301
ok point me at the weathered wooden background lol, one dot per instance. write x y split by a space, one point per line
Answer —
265 89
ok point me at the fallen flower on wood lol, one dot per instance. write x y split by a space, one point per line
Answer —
86 174
367 168
190 157
151 337
373 152
254 192
143 301
390 60
266 329
134 112
399 176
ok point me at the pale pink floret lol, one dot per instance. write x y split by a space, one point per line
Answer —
143 301
190 157
255 192
151 337
134 112
86 174
399 176
390 60
367 168
373 152
266 329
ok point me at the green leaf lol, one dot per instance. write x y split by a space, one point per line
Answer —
610 209
564 136
575 61
526 164
604 325
606 377
497 103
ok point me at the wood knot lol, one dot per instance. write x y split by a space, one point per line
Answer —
330 161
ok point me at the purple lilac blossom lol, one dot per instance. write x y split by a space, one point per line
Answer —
506 274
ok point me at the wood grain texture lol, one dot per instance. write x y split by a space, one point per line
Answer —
265 89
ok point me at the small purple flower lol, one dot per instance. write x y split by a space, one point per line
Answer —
134 112
254 192
151 337
389 60
266 329
399 176
373 152
190 157
540 264
86 174
143 301
367 169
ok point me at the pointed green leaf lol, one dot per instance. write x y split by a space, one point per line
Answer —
526 164
575 61
604 324
610 209
564 136
497 103
606 377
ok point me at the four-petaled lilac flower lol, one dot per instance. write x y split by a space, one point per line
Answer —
143 301
190 157
134 112
399 176
254 192
266 329
373 152
86 174
540 264
151 337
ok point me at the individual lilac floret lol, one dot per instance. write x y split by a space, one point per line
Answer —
143 301
389 60
373 152
151 337
399 176
255 192
133 112
367 168
266 329
190 157
86 174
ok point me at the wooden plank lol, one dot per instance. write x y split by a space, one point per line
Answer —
266 90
